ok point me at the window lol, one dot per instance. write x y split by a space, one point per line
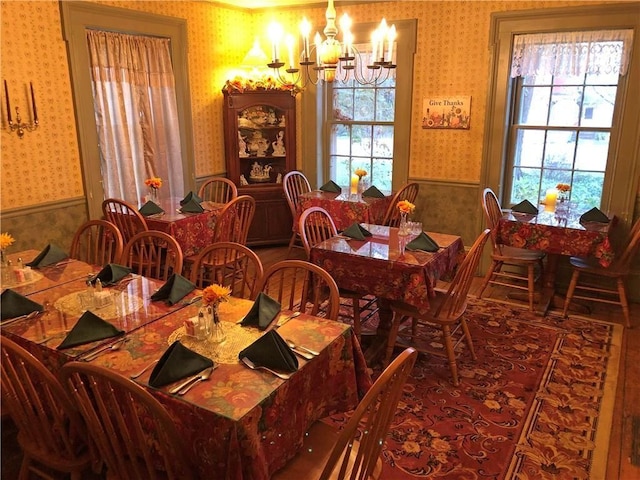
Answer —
362 130
565 88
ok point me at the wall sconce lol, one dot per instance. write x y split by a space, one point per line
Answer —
18 126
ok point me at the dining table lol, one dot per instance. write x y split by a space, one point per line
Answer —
381 266
346 209
240 423
557 232
192 231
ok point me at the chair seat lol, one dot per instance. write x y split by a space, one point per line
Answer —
591 265
518 254
434 303
312 457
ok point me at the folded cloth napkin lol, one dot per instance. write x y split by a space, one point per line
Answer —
192 206
174 289
357 231
111 274
190 196
331 186
525 206
150 208
13 305
423 242
373 191
176 363
264 310
51 254
594 215
89 328
271 351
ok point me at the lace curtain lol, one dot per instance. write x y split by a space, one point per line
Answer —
136 114
602 52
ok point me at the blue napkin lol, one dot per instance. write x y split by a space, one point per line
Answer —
262 313
13 305
525 206
150 208
594 215
271 351
423 242
176 363
89 328
357 232
175 289
373 192
331 187
50 255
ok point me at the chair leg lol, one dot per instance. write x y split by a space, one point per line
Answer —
572 287
467 337
622 291
531 284
24 468
487 277
451 354
291 243
355 301
393 335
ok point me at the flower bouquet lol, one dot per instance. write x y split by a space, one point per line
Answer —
405 207
563 191
212 296
6 240
154 183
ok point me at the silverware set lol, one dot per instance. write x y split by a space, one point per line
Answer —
185 386
295 347
253 366
108 347
33 314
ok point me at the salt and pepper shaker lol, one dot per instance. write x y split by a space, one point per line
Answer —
98 285
20 265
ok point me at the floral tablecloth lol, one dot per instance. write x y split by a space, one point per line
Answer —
377 267
549 233
346 209
192 231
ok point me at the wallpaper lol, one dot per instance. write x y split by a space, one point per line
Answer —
452 58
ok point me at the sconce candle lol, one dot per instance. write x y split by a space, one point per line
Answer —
33 104
551 197
6 92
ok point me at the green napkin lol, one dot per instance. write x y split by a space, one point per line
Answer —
175 289
111 274
331 187
89 328
192 206
525 206
423 242
150 208
357 232
262 313
271 351
594 215
373 192
176 363
13 305
190 196
50 255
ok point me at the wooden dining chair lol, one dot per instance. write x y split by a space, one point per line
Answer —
229 264
124 216
153 254
446 313
507 256
97 242
301 286
51 432
134 434
295 183
316 225
408 192
355 451
591 281
234 221
218 190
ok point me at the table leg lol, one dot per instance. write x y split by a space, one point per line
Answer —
376 349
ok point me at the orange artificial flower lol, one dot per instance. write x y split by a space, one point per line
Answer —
153 182
405 206
215 293
360 173
6 240
563 187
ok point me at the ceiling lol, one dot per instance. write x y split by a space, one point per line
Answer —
280 3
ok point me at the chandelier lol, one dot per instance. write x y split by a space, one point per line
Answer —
329 59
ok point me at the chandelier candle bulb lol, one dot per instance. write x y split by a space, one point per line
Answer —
391 37
551 197
289 41
305 30
318 42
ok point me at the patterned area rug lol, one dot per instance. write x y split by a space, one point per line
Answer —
536 404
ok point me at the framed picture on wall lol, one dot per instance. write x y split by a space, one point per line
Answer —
446 112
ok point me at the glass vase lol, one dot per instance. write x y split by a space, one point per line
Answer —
403 228
153 195
217 332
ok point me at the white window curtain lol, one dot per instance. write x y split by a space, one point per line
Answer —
602 52
136 114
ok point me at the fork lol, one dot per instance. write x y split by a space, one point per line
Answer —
111 346
253 366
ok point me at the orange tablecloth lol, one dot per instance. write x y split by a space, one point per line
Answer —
376 266
346 209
